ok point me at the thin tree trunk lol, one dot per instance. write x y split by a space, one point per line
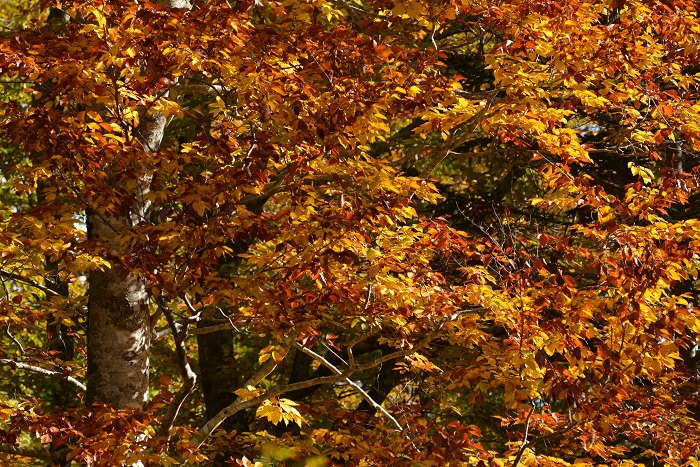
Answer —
218 371
60 343
219 375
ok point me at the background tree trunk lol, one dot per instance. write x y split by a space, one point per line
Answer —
218 375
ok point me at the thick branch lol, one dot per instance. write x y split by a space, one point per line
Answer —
57 374
239 405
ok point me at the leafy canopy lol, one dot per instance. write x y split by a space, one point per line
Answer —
443 233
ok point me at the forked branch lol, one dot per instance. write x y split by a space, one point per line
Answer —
352 383
243 404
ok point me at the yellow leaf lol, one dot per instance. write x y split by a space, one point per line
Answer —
249 392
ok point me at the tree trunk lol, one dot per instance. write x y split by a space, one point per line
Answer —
118 317
60 343
219 375
118 335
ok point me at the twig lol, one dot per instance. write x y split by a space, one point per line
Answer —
434 24
271 364
334 353
230 321
471 124
190 307
14 339
42 371
369 296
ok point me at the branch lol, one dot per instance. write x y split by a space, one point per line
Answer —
14 339
34 453
189 376
196 331
352 383
239 405
33 283
50 457
195 314
271 364
215 328
354 11
399 354
471 125
523 445
23 366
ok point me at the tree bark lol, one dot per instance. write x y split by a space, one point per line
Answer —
60 343
219 375
118 337
118 304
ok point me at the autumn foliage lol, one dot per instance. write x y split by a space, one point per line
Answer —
350 232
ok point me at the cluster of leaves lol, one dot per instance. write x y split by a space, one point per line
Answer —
439 231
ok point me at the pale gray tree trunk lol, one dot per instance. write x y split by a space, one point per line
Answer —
119 335
118 303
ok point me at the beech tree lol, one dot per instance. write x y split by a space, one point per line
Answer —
369 232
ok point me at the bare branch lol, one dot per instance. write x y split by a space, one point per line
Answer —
26 280
523 445
189 376
42 371
14 339
352 383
